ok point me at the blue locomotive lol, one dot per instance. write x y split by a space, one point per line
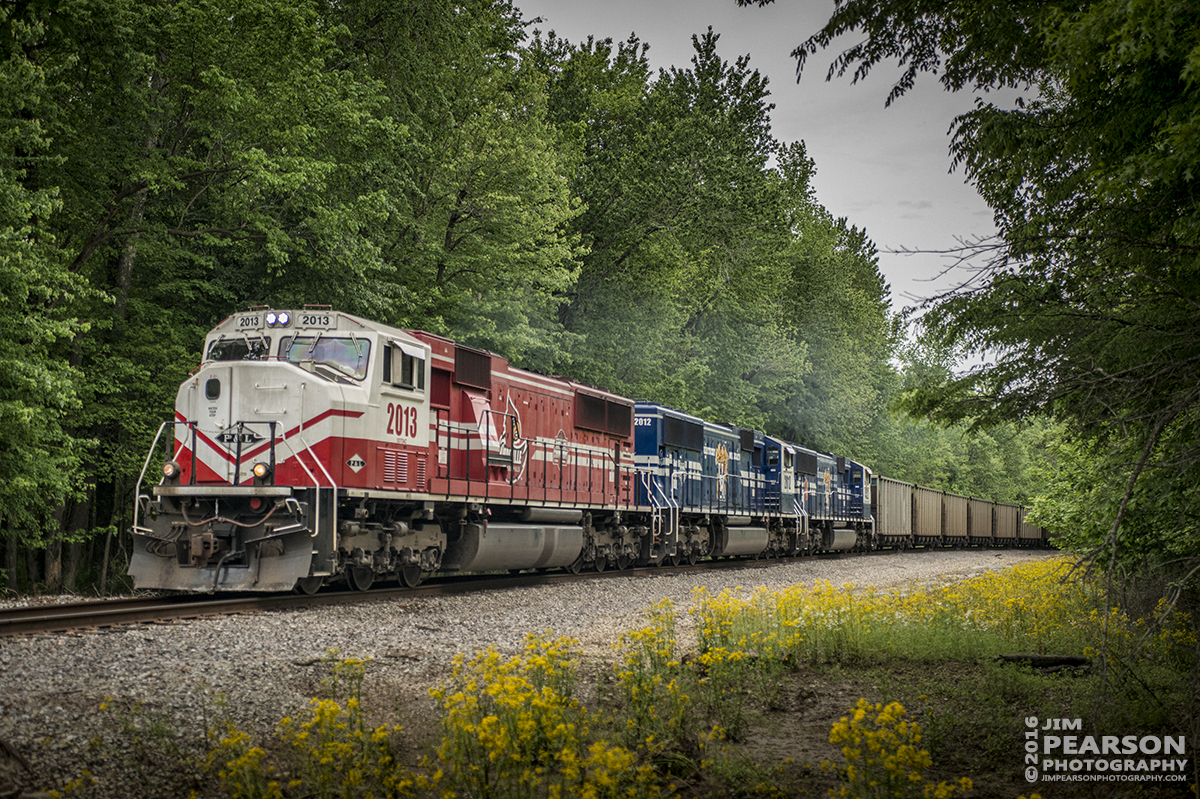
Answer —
719 490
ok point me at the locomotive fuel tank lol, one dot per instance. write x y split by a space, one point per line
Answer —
743 541
501 546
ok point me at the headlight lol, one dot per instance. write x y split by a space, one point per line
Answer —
284 317
261 470
271 317
170 470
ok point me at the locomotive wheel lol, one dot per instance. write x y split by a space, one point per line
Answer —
309 585
623 562
692 557
410 576
361 578
600 563
577 566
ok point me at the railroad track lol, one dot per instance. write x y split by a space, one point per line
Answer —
102 614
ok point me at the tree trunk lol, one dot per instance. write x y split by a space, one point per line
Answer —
78 523
32 572
103 587
129 255
114 524
54 564
10 555
71 566
53 552
129 252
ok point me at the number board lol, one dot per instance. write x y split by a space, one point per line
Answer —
318 319
250 321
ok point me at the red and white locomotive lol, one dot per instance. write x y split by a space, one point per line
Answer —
313 445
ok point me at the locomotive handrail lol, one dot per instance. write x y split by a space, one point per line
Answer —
316 526
237 461
652 486
137 487
316 483
308 448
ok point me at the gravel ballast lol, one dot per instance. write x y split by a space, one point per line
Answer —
261 667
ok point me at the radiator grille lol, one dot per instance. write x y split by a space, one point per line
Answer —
395 467
589 411
421 472
603 415
682 433
473 368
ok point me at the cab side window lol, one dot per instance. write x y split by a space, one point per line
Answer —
403 369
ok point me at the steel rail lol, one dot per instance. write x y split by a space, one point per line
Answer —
103 614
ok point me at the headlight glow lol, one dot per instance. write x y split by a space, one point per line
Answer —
261 470
170 470
284 317
271 317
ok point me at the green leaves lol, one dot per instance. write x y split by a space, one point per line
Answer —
1087 307
713 279
37 456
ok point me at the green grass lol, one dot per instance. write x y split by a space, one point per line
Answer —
905 681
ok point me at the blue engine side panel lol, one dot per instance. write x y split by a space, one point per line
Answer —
667 448
858 482
779 475
832 488
820 484
694 465
700 467
747 482
720 465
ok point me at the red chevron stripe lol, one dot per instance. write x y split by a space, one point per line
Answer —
251 454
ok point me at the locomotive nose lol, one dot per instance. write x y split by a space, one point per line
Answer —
237 410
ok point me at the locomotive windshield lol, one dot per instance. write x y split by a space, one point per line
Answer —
346 356
249 348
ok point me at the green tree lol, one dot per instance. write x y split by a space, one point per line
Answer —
714 281
192 154
996 463
678 297
475 240
38 456
1088 301
837 302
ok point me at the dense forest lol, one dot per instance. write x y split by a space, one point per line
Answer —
1086 305
443 166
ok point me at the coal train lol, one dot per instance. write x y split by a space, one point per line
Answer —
312 447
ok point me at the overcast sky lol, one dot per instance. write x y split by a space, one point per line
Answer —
886 170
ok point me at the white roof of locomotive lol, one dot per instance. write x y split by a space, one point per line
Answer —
255 321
